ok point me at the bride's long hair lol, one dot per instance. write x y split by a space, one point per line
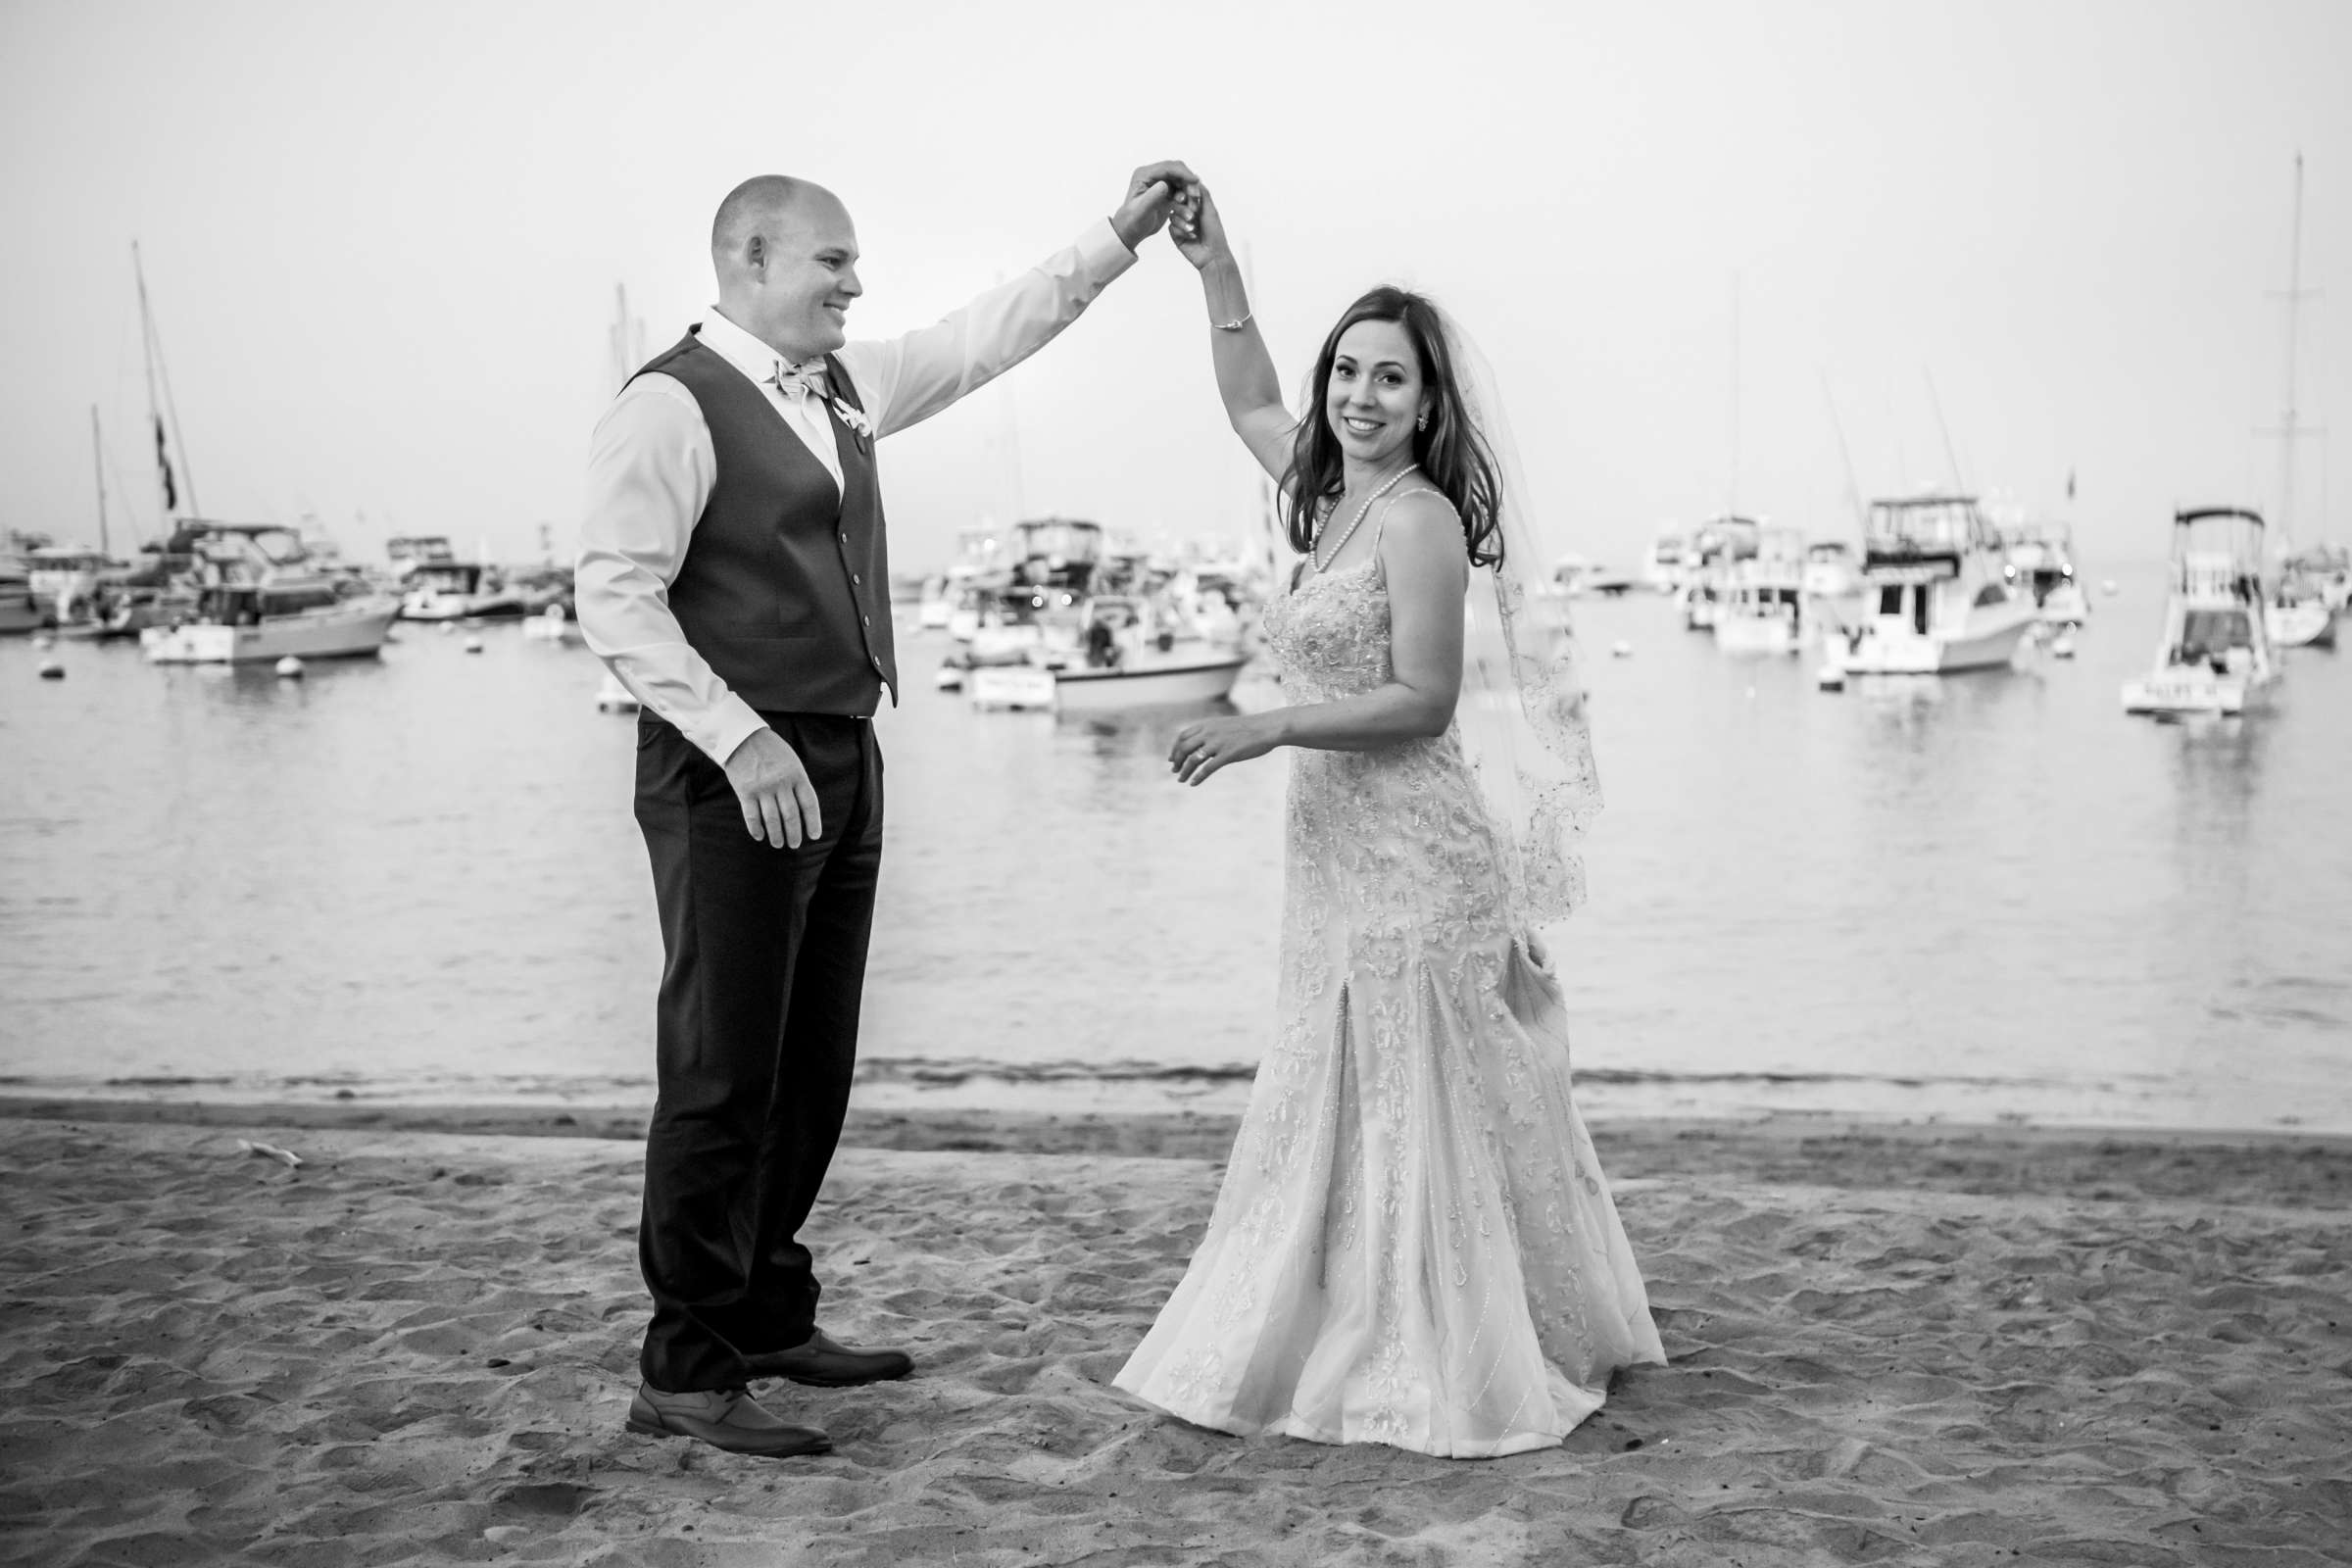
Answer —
1451 450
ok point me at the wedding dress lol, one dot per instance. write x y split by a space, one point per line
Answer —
1413 1244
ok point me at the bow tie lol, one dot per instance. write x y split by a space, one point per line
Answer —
797 382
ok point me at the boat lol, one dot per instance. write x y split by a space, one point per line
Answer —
409 551
2214 656
1934 599
261 599
1760 602
2299 621
21 608
1573 577
458 590
612 697
2328 570
2041 562
1195 673
1665 566
1830 571
553 625
1715 548
2295 612
68 576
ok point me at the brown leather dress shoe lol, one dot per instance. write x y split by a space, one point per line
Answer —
823 1364
724 1418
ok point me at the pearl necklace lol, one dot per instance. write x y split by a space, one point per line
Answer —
1314 549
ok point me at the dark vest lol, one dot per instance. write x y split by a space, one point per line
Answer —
785 588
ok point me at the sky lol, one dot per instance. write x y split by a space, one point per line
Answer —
1763 258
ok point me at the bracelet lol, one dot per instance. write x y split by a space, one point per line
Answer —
1233 327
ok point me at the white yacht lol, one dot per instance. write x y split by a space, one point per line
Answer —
458 590
2216 654
262 599
1760 603
1666 564
1935 601
2301 606
1830 570
21 608
2042 562
1715 549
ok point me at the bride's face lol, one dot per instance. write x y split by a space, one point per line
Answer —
1376 392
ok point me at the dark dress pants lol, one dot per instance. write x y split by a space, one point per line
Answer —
755 1041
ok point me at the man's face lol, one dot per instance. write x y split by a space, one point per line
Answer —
806 274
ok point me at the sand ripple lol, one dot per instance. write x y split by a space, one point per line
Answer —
418 1348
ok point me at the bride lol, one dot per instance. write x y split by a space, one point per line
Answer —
1413 1244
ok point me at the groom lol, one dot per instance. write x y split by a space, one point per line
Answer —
733 575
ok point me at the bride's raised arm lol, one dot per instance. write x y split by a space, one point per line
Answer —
1246 377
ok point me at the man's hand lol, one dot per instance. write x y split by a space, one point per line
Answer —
1150 191
779 803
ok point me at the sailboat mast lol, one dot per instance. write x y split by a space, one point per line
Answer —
2286 420
159 375
98 465
1731 508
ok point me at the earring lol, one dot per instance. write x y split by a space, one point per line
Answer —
1422 423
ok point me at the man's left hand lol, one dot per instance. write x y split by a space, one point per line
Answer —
1150 191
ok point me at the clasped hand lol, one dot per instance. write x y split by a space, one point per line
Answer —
1208 743
1152 191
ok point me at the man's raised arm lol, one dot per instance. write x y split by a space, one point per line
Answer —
904 381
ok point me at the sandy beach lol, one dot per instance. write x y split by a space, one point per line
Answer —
1889 1344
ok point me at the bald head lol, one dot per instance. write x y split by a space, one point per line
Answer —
786 256
765 205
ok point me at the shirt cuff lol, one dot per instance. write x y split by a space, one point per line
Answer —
729 723
1102 253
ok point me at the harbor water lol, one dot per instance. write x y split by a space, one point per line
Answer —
1984 898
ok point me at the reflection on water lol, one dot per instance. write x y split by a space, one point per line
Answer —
1978 896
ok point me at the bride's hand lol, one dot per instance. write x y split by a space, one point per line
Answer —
1208 743
1195 228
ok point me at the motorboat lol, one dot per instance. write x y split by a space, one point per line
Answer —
1573 577
1715 548
553 625
2329 570
1830 571
458 590
1186 672
68 576
1934 598
1760 603
408 552
2301 608
2214 656
2041 561
21 608
612 697
259 598
1664 568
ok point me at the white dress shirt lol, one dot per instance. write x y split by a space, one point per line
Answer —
651 466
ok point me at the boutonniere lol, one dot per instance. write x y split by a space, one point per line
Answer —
860 426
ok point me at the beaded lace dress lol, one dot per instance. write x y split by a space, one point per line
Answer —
1413 1244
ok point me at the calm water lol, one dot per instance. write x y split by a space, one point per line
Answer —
1991 897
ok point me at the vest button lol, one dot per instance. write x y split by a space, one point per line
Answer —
855 578
869 619
845 538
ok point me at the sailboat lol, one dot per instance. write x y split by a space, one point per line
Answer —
259 595
2296 610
